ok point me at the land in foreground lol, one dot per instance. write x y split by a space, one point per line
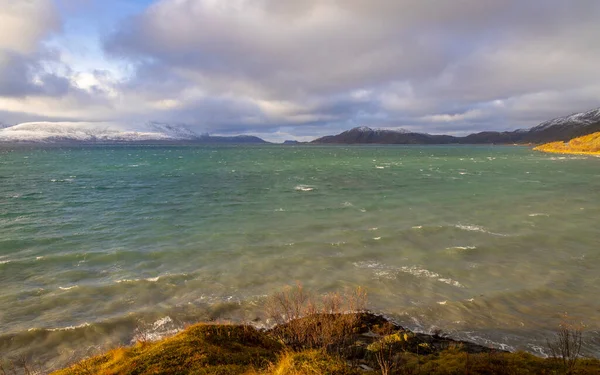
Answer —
360 343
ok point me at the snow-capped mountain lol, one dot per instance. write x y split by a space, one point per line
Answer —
180 132
574 120
559 129
110 132
90 132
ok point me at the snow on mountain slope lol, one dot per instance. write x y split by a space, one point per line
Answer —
576 119
93 132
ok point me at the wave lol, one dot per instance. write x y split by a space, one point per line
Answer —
467 227
476 228
304 188
149 279
69 328
457 249
68 287
390 272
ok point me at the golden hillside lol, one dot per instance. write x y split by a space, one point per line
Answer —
588 144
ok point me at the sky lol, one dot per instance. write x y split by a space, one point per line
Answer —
290 69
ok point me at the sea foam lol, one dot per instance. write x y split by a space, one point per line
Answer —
390 272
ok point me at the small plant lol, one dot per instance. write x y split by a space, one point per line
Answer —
566 345
385 350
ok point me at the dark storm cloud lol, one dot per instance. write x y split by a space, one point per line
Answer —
22 75
322 66
459 65
27 66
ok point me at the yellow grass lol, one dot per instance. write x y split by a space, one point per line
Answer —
586 145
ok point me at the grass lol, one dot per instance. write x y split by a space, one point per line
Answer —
317 335
586 145
200 349
230 349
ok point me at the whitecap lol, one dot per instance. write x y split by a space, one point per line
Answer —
376 238
304 188
442 302
451 282
461 248
381 269
69 328
161 322
4 261
153 279
538 214
476 228
68 287
538 349
127 281
417 227
385 274
379 167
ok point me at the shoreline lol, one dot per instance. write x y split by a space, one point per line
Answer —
597 154
334 343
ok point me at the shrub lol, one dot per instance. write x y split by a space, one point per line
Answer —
304 321
566 346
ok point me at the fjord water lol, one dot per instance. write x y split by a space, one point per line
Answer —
491 244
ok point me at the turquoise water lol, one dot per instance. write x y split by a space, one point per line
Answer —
487 243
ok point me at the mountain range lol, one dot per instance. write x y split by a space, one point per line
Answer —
107 132
559 129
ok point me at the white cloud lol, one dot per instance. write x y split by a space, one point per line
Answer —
24 23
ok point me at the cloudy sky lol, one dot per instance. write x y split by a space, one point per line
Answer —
286 69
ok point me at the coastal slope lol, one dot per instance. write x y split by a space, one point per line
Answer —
588 144
369 345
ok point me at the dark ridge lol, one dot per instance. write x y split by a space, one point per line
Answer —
559 129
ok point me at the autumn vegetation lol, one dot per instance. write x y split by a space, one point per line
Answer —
329 334
588 144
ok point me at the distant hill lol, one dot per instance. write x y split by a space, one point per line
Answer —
111 133
368 135
559 129
232 139
587 144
